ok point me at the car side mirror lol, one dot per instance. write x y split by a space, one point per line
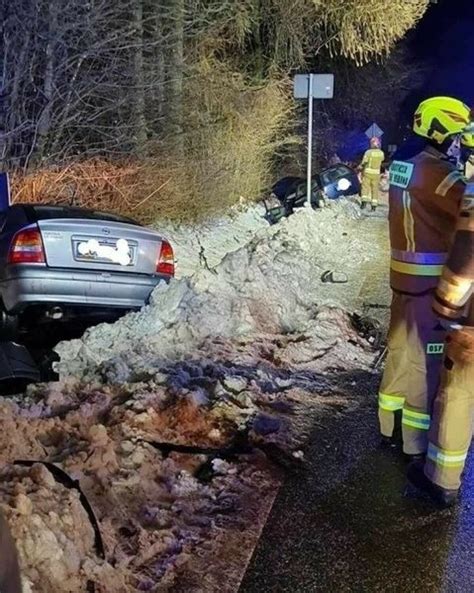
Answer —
4 192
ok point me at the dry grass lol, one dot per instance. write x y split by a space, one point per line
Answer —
132 188
91 184
235 131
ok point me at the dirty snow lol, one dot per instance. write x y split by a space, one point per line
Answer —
230 362
153 512
166 517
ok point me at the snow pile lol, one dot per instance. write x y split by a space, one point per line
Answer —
272 285
179 468
177 420
207 243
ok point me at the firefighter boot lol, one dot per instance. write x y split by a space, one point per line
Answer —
440 496
388 443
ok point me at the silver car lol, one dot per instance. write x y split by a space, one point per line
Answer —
59 262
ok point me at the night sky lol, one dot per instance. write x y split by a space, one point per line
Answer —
444 40
443 45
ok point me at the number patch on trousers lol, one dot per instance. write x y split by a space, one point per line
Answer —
435 348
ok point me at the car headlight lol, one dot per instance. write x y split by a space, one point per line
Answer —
343 184
272 201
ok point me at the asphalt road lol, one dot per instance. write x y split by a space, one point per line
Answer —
351 526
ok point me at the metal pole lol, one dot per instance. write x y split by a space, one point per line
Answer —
310 140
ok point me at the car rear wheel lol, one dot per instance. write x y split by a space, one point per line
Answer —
8 325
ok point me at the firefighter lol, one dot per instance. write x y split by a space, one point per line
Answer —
424 198
371 172
451 426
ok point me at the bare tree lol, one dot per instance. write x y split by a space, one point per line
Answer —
174 26
138 95
81 79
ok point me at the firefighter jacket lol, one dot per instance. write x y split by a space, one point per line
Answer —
372 161
469 168
424 199
453 298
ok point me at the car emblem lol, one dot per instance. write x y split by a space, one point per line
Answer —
106 231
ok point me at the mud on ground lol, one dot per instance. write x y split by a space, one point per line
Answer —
169 520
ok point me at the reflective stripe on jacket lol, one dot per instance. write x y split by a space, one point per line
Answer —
372 161
424 199
454 294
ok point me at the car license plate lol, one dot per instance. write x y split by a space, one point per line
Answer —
119 251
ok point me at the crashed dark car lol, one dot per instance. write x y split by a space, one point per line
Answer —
330 184
60 262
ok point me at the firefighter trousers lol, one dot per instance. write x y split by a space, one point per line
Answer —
370 188
453 411
411 376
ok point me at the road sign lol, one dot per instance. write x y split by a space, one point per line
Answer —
374 131
312 86
322 88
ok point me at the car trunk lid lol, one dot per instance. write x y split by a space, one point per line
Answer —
99 245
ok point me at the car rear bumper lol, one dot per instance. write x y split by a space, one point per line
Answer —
24 286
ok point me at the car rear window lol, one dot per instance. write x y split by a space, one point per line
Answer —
51 212
335 173
343 170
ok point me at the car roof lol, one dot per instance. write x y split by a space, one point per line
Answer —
337 166
36 212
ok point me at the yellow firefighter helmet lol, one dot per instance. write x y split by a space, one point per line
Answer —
467 140
440 118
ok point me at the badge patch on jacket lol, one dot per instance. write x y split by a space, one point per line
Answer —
435 349
401 173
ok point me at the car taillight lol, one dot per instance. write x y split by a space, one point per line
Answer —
165 263
26 248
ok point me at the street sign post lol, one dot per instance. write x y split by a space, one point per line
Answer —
309 173
312 86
